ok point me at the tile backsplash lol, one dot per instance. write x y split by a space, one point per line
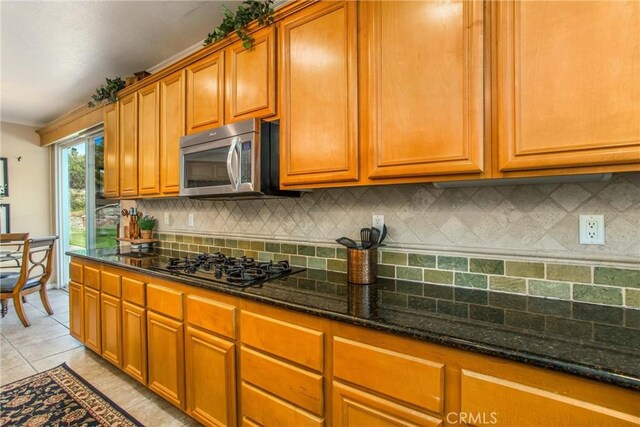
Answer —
524 220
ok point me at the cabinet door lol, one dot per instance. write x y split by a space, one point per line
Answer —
568 83
134 341
166 357
318 104
501 402
128 138
111 328
76 311
148 141
205 93
92 319
111 177
251 78
210 378
422 106
353 407
171 130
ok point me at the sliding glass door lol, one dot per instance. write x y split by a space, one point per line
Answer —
85 219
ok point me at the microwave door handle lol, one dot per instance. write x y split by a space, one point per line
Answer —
232 175
238 151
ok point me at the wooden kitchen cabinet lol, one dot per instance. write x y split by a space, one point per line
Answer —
165 341
422 88
172 123
76 311
318 95
134 341
128 140
205 93
111 179
250 78
92 326
111 328
148 140
567 85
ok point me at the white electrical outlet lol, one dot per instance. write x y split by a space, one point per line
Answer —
377 221
166 218
592 229
191 220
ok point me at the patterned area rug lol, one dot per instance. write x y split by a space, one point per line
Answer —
58 397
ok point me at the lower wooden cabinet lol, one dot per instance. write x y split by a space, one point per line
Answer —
353 407
92 328
264 409
111 329
76 311
134 341
165 354
210 378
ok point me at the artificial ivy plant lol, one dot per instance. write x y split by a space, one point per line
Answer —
248 10
107 92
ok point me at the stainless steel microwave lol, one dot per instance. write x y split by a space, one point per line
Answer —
239 160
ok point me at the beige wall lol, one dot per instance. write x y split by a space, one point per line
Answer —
29 179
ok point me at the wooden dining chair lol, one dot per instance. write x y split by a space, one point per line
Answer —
35 270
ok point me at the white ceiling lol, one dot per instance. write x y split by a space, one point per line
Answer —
53 55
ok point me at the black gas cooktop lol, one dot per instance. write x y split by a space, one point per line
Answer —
217 267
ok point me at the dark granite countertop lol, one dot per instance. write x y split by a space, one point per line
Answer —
597 342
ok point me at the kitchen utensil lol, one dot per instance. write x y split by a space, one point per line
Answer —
349 243
125 213
365 238
375 237
383 235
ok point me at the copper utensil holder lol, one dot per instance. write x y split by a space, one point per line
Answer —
362 266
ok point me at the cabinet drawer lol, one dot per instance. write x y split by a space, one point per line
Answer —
92 277
286 381
164 300
401 376
512 403
286 340
75 273
212 315
111 284
267 410
133 291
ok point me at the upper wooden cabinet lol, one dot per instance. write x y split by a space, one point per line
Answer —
205 93
172 122
128 138
111 179
318 95
422 87
568 83
148 140
250 78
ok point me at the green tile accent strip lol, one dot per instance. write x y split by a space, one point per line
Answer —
471 280
525 269
508 284
219 242
244 244
298 261
237 252
231 243
266 256
325 252
272 247
409 273
307 250
427 261
319 263
569 273
207 241
489 266
597 294
341 253
288 248
179 238
396 258
337 265
438 276
558 290
187 239
386 271
617 277
197 240
453 263
632 298
257 246
251 254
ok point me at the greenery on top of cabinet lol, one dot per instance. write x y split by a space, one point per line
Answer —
248 11
107 92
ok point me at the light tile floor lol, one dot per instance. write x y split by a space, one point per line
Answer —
47 343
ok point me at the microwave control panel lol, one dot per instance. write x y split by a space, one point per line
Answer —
245 163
